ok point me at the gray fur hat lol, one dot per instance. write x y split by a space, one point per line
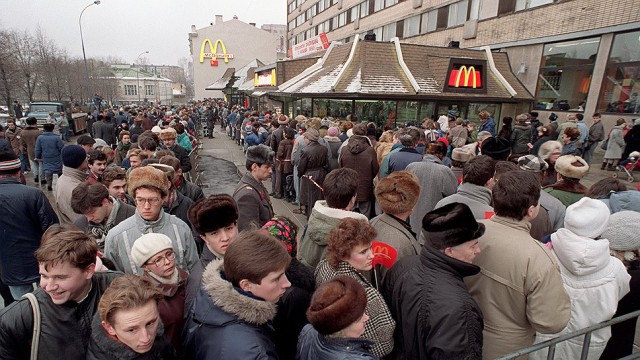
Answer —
260 154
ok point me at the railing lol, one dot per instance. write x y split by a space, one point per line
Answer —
551 344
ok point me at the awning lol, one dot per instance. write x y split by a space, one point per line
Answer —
223 82
258 93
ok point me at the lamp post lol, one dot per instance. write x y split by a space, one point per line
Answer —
138 74
84 56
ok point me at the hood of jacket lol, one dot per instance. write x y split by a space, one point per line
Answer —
475 192
230 305
581 256
358 144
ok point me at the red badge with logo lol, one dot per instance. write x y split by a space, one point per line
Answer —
384 254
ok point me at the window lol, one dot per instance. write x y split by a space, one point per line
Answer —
474 9
364 8
321 6
411 26
292 6
429 21
457 13
130 90
621 84
380 112
565 74
378 5
528 4
388 3
388 32
355 13
340 20
300 19
443 18
506 7
148 89
334 108
378 33
292 24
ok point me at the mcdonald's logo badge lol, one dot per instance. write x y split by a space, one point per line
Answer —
213 52
465 77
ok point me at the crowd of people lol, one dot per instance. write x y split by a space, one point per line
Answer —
444 239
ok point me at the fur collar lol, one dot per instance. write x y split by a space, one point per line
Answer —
569 186
224 295
322 208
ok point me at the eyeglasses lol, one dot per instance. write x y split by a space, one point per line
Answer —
162 259
153 201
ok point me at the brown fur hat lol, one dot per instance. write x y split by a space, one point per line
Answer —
213 213
147 176
337 304
572 166
314 123
398 192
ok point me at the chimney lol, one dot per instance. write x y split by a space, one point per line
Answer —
235 17
218 19
254 24
193 28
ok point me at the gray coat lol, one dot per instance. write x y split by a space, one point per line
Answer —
436 182
477 197
616 143
254 204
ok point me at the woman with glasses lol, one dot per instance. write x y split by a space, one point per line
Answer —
154 254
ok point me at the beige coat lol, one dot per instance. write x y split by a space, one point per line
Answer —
519 288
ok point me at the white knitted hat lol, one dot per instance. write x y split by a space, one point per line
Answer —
148 245
587 217
623 231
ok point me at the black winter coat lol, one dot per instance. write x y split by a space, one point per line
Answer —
314 162
190 190
436 316
359 155
183 155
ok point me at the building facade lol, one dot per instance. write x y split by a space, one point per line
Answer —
572 55
135 86
227 45
280 31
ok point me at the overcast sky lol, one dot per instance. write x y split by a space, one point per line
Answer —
126 28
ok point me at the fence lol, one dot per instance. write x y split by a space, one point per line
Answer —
551 344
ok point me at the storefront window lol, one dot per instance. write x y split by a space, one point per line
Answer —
474 108
381 113
337 109
621 84
565 74
301 107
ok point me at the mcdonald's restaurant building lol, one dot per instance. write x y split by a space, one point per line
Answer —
389 83
227 46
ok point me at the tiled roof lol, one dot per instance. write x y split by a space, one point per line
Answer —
223 81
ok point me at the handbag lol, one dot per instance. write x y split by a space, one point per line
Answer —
35 341
604 144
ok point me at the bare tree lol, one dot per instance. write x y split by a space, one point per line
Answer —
8 72
21 46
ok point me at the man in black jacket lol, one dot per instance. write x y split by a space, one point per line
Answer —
426 292
168 137
68 297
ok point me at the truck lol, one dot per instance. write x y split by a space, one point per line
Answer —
40 110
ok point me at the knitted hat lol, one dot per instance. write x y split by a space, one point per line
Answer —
336 304
73 156
156 129
248 128
333 131
398 192
147 246
312 134
588 217
548 148
147 176
85 140
281 228
496 147
9 162
572 166
451 225
622 231
260 154
461 154
532 163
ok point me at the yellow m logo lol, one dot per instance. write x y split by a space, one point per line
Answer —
213 51
467 75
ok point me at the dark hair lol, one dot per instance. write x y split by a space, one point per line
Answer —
94 155
507 120
572 132
515 193
123 133
436 148
87 196
253 255
32 120
503 167
580 116
112 173
170 160
74 247
340 185
478 170
346 235
48 127
147 143
213 213
603 187
596 115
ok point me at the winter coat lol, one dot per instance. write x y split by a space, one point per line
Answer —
384 165
571 148
595 282
69 180
314 163
623 334
194 280
105 131
25 214
458 136
489 125
49 149
225 323
360 156
538 143
104 347
313 243
519 289
562 127
596 134
400 160
28 138
520 137
283 157
171 307
190 190
567 191
254 203
180 208
122 212
184 141
436 183
333 144
555 208
120 239
427 292
313 345
380 326
252 139
477 197
14 136
65 329
121 152
183 155
616 144
632 140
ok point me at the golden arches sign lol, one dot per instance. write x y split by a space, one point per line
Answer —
467 75
213 52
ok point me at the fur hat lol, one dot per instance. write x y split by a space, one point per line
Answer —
337 304
168 133
588 217
283 229
496 147
312 134
314 123
451 225
147 245
622 231
333 131
260 154
213 213
300 118
461 154
532 163
283 119
147 176
9 162
572 166
398 192
73 156
620 121
548 148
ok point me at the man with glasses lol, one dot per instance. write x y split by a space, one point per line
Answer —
148 187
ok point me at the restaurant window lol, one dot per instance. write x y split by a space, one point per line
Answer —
388 32
528 4
429 22
474 108
457 13
302 107
565 74
411 26
379 112
364 9
621 84
130 90
408 111
337 109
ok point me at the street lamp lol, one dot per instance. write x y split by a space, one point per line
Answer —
84 56
138 74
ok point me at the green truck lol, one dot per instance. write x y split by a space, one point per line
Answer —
40 110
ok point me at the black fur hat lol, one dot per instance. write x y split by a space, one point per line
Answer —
451 225
213 213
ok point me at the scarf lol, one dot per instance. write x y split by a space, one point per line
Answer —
99 231
173 280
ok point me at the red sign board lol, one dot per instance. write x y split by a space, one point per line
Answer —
465 77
